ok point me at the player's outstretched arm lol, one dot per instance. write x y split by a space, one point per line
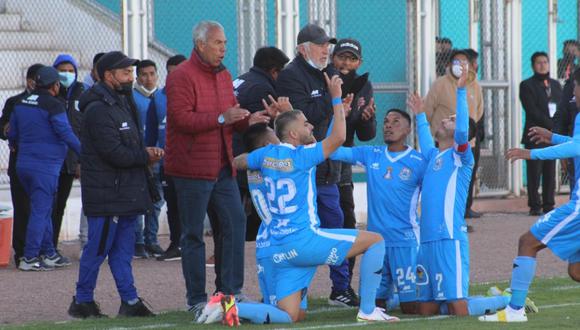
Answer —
338 134
540 135
426 143
462 113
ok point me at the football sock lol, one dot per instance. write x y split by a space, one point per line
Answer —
262 313
484 305
393 302
522 276
371 267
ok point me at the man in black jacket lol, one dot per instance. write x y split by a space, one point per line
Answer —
114 185
303 82
20 201
346 59
539 96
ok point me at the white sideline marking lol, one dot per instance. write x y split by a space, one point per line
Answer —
151 326
565 287
362 324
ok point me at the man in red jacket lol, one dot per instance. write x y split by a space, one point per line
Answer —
202 113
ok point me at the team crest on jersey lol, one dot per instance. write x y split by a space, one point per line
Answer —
438 164
405 174
389 174
284 165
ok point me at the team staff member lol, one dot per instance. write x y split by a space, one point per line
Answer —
114 185
40 128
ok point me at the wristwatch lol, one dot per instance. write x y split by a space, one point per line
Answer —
221 119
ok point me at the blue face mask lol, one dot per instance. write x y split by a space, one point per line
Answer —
67 78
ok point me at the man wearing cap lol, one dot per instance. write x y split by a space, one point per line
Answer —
114 186
346 59
202 113
20 201
39 128
303 82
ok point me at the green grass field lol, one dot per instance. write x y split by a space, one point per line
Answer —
558 300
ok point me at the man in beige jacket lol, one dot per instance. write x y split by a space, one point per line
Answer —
440 104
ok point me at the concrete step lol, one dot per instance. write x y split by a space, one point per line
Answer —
10 22
22 40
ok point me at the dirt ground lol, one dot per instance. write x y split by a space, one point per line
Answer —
36 296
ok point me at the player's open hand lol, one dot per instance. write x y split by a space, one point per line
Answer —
415 103
369 110
235 114
540 135
334 85
517 153
259 117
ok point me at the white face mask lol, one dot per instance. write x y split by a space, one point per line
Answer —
456 68
143 90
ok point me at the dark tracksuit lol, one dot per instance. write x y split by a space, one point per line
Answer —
70 96
306 88
564 122
114 188
40 129
20 201
155 137
365 130
535 94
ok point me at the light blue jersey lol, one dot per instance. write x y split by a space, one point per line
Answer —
393 186
289 177
258 193
447 178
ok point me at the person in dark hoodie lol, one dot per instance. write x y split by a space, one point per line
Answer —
40 128
114 185
20 201
346 59
69 93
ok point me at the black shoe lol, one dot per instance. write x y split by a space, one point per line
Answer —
343 298
154 250
471 214
535 212
140 251
353 294
170 255
84 310
139 309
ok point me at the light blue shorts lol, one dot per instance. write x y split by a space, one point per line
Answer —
560 231
399 271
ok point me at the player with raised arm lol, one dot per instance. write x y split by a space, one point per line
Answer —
394 176
443 260
559 230
297 242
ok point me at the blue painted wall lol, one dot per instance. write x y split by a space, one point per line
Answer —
454 22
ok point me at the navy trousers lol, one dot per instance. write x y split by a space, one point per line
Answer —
113 237
41 189
331 216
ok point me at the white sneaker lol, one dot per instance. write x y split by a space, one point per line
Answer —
378 315
212 312
506 315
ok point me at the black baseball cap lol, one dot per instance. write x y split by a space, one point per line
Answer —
348 45
114 60
315 34
46 76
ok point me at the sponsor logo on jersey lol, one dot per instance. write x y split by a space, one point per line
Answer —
284 256
332 257
405 174
284 165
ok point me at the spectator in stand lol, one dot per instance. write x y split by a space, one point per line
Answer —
346 59
540 95
155 137
567 63
20 201
92 77
70 94
146 235
202 113
39 128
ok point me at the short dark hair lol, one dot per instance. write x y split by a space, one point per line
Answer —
401 112
472 55
577 76
268 58
97 57
175 60
538 54
446 41
283 121
32 70
145 64
456 52
571 42
254 136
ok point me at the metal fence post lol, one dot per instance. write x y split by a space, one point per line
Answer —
514 17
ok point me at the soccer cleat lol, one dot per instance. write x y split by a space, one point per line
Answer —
506 315
56 260
378 315
230 311
85 310
212 311
529 305
344 298
33 264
